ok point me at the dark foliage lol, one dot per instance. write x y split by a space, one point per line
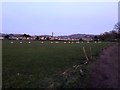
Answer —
113 35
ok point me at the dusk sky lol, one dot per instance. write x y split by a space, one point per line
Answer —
62 18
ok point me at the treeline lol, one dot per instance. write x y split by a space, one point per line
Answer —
113 35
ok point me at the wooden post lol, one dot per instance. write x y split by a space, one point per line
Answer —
85 54
90 53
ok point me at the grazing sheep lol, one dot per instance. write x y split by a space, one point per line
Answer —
56 42
20 42
77 42
11 42
29 42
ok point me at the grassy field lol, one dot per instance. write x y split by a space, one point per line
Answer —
35 64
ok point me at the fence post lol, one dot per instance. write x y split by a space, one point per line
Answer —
85 54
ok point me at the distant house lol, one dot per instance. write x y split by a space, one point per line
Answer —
1 38
87 39
12 37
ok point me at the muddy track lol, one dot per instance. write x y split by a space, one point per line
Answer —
104 71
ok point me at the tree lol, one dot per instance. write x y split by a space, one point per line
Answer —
37 38
7 36
80 39
117 27
47 38
96 38
26 36
112 35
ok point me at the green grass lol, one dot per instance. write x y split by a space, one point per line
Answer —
34 65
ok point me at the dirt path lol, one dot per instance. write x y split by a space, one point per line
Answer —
104 72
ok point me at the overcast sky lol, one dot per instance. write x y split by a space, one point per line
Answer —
62 18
